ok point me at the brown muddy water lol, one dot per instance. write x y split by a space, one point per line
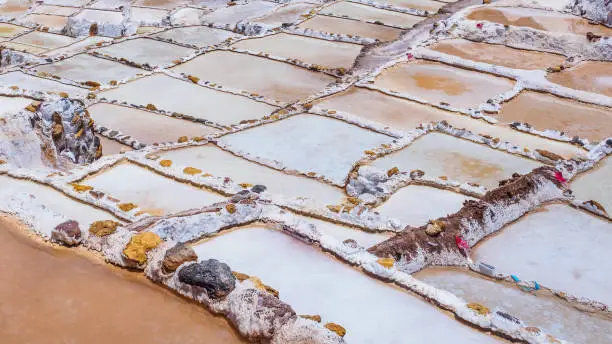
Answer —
53 295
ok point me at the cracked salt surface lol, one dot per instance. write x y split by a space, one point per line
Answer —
559 247
315 283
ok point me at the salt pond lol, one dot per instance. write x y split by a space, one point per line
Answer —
436 82
350 27
559 247
200 36
552 315
184 97
590 76
595 184
461 160
331 152
414 205
371 14
315 283
498 54
146 51
53 200
83 67
272 79
153 193
144 126
402 114
544 111
310 50
220 163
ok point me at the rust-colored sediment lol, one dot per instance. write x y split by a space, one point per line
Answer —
498 54
546 21
52 295
544 111
408 242
590 76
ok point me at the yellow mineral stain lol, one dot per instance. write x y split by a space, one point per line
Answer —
463 165
449 85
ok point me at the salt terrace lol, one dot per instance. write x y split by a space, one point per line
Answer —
306 171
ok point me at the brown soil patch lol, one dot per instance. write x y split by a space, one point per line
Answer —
51 295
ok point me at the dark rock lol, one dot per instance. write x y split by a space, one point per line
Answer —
67 232
508 317
244 194
215 277
178 255
351 243
259 188
414 174
264 312
276 307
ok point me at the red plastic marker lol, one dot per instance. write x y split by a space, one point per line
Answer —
461 243
559 177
